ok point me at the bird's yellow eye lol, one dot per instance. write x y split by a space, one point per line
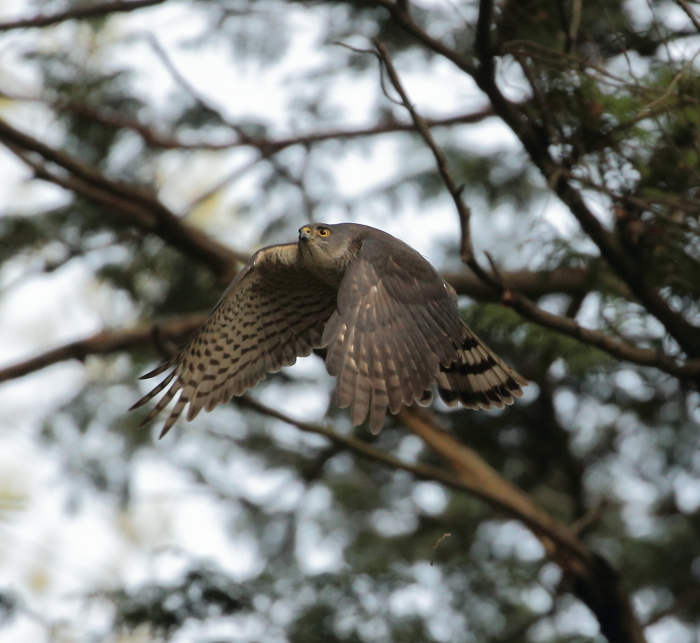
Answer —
323 232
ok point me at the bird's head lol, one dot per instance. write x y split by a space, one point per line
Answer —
327 249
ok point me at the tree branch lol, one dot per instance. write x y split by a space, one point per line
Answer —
536 143
689 370
593 579
479 478
79 13
455 191
421 471
144 210
267 146
690 13
535 284
526 307
106 342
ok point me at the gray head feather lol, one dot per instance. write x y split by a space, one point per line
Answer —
327 249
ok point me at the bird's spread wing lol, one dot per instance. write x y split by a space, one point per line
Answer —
274 311
397 331
396 324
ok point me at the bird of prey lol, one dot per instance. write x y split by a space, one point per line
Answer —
388 321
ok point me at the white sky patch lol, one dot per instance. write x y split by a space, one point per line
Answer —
25 402
511 538
197 527
430 497
50 554
687 490
411 600
318 550
670 630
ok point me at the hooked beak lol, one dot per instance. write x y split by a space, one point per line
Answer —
304 233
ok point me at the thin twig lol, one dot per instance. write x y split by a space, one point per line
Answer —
575 22
221 184
690 13
463 211
648 109
436 545
266 146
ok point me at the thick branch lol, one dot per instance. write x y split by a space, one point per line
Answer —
78 13
687 335
689 370
594 581
532 283
144 210
482 479
511 295
404 20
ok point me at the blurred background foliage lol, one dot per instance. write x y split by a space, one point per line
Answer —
314 542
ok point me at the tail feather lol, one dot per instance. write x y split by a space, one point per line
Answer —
478 378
